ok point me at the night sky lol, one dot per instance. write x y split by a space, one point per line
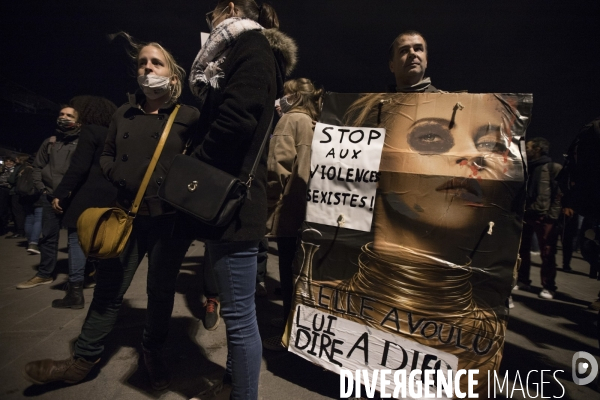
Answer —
59 49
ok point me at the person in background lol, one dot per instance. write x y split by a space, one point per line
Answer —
237 75
30 199
17 207
542 209
83 186
51 163
288 175
132 138
6 170
568 229
579 181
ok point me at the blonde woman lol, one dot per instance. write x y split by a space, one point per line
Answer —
131 140
289 171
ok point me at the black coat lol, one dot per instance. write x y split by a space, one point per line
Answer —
234 120
132 138
83 185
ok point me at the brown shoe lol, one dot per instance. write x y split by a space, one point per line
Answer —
70 370
35 281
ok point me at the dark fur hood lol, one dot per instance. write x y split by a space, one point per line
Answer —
284 48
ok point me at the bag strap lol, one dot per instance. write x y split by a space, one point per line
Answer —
161 143
262 148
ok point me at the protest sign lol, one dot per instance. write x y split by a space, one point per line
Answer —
344 171
434 273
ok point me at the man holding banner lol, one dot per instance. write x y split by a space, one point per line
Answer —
417 278
408 62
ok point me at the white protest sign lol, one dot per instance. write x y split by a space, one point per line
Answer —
336 343
344 171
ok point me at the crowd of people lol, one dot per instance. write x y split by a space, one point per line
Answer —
99 153
553 210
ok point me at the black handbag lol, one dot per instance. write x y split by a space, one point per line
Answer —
207 193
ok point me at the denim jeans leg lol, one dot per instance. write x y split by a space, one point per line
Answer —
113 278
48 244
165 256
234 265
28 223
76 257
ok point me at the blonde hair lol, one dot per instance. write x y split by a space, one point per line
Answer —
303 96
375 109
134 53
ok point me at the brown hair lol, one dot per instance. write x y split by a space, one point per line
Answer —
542 144
265 15
93 110
304 96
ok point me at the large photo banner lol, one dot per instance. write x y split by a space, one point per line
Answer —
426 286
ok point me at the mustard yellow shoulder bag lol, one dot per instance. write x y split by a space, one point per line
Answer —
103 232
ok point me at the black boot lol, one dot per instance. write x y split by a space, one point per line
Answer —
73 299
160 377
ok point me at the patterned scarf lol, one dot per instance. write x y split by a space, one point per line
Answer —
205 71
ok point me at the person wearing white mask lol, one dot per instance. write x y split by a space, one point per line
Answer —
132 138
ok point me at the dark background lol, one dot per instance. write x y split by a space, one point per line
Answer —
59 49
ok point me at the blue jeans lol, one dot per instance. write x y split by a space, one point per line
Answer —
76 257
234 266
48 244
33 224
113 277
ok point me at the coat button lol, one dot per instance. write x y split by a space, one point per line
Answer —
122 183
125 157
159 180
125 135
161 117
132 117
155 136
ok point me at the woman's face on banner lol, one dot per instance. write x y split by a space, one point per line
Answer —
443 154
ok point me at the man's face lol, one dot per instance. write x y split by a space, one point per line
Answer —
9 163
409 60
68 113
533 153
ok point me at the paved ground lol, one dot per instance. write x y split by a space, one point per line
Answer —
543 335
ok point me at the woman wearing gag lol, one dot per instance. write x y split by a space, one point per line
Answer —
132 138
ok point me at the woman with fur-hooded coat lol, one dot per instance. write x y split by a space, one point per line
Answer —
237 76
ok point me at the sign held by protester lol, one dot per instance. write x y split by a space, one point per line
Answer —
425 289
344 171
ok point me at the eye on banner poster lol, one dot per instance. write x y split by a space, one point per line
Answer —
414 219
